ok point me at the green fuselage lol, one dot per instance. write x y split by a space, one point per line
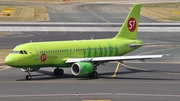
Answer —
58 51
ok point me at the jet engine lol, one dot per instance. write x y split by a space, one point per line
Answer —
31 69
82 68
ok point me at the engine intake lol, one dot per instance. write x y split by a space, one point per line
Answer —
82 68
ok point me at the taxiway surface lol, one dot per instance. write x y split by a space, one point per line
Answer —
86 12
156 82
136 81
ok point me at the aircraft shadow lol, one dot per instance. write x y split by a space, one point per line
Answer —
43 76
103 75
106 75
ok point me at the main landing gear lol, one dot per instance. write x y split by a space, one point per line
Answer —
58 72
93 75
28 77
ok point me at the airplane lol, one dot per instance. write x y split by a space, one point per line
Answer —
82 56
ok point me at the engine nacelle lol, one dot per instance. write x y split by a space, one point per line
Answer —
82 68
31 69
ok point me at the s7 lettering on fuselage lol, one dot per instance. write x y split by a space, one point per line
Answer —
83 56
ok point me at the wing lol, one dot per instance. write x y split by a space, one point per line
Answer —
115 58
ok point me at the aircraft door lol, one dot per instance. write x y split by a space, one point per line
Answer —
121 48
36 52
74 50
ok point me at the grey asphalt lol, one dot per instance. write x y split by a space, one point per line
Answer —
136 81
57 24
157 80
23 37
86 12
80 13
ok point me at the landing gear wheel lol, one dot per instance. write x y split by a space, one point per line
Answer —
94 74
55 71
58 72
90 75
61 72
28 77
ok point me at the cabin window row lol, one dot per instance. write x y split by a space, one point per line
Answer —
53 51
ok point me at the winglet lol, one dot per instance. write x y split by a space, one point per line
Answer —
171 55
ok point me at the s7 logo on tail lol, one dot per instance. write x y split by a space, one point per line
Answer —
131 24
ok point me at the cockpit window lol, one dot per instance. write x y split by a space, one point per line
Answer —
14 52
21 52
25 52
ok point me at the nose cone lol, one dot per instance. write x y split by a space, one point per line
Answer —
9 61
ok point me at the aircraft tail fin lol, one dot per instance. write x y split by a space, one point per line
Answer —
130 25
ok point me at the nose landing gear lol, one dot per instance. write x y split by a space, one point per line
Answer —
57 72
28 77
